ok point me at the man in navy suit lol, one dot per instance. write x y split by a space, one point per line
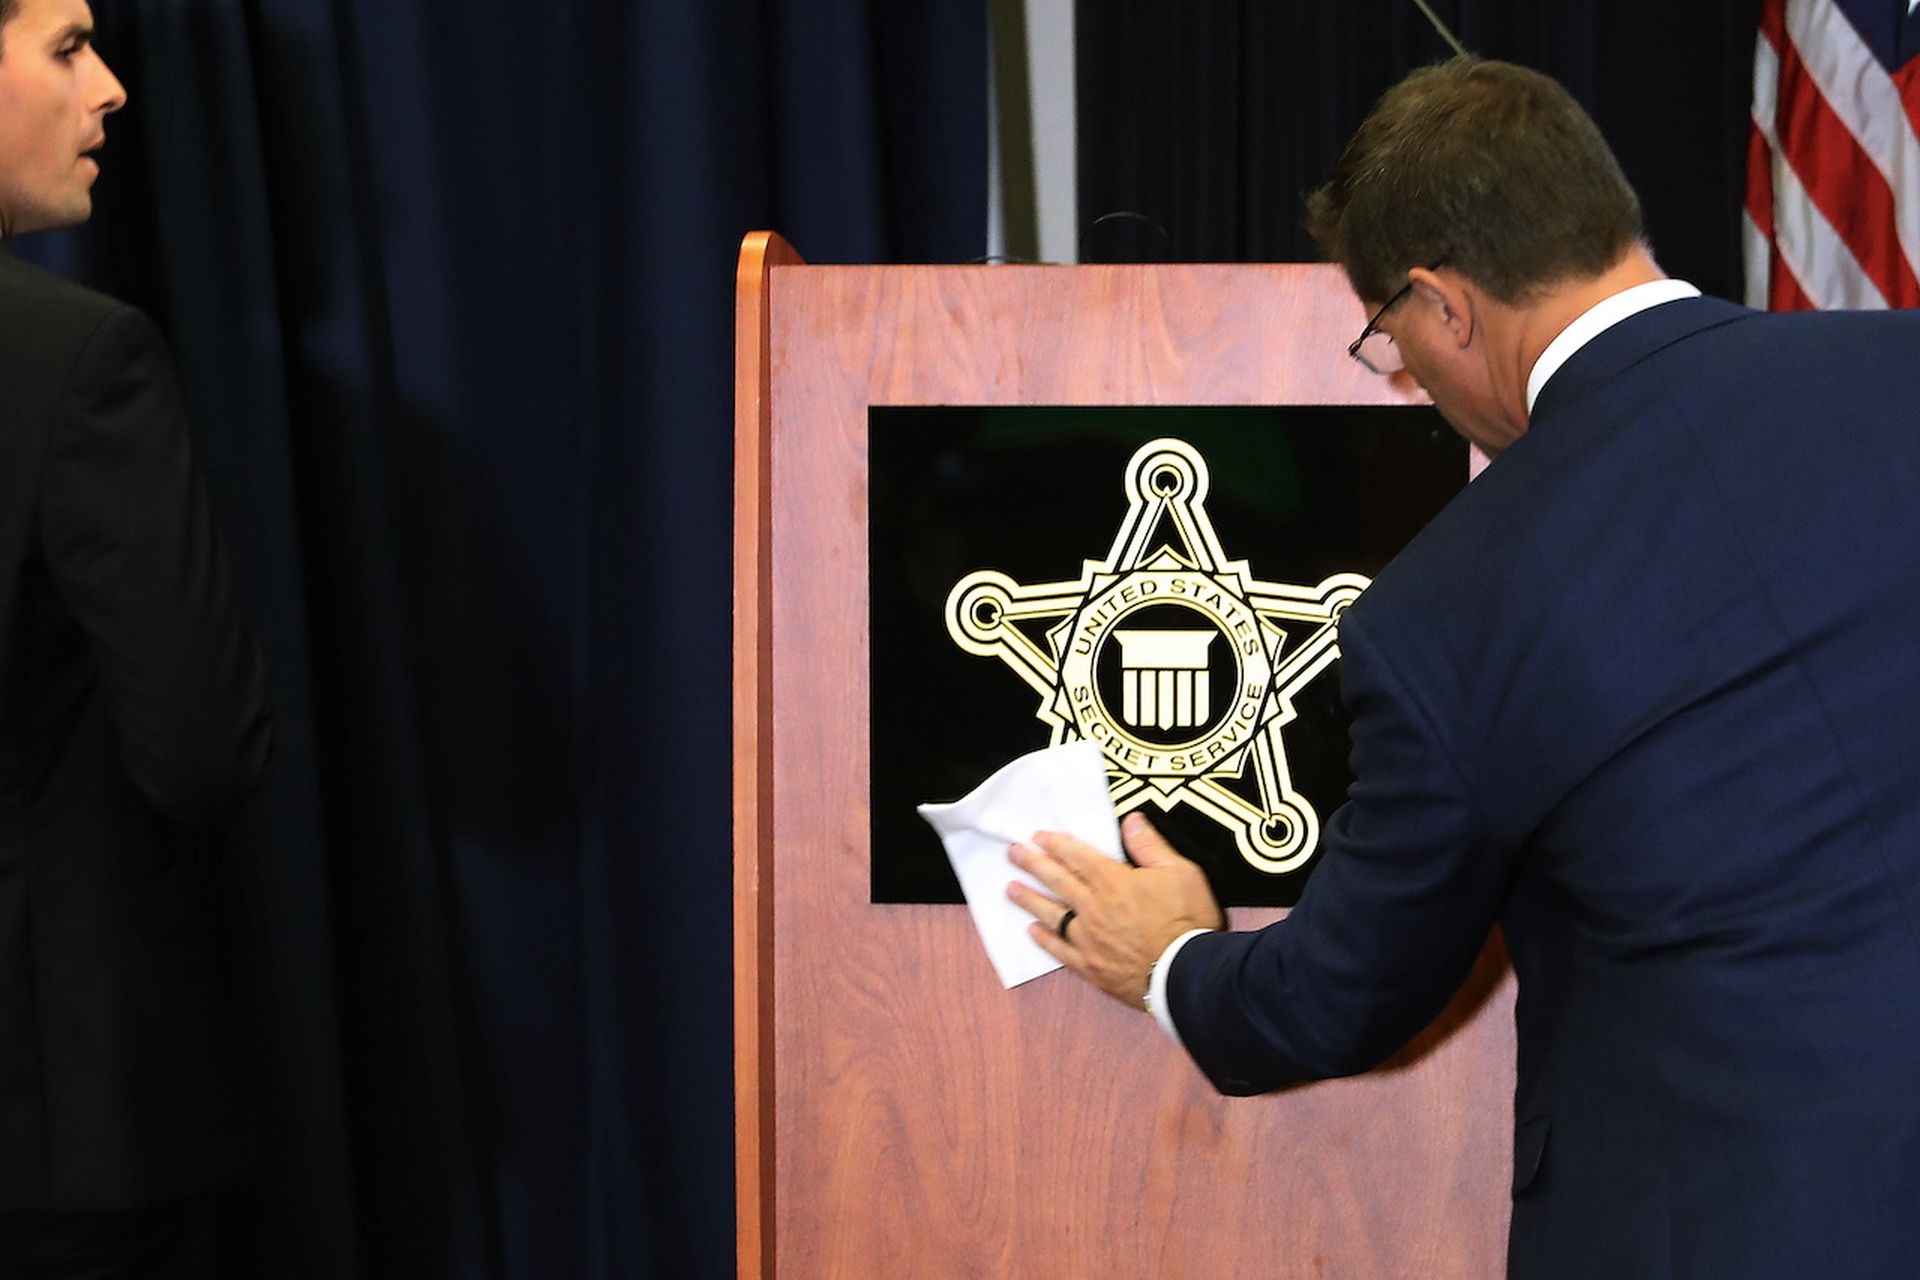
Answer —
1645 694
133 714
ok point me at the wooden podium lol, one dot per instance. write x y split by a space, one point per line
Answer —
898 1113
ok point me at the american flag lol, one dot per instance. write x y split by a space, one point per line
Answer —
1833 157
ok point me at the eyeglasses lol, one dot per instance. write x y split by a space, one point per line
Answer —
1376 349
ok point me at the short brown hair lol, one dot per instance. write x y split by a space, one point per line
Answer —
1486 167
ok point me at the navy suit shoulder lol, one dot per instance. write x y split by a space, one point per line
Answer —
42 313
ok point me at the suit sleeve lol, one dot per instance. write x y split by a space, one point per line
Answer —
131 547
1409 882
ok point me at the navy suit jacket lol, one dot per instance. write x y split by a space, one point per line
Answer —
1647 693
133 712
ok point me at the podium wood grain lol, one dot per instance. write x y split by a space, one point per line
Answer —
899 1113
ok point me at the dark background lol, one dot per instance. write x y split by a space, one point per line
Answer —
1213 119
450 286
1034 493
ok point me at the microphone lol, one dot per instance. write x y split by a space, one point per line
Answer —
1441 27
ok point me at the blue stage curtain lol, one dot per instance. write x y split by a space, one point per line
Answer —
1213 119
450 288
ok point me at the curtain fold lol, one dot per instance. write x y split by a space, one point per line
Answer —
1214 119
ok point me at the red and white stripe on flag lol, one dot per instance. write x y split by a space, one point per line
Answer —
1833 156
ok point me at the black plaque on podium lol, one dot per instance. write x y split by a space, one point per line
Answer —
1164 581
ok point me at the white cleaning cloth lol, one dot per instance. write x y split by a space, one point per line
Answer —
1062 788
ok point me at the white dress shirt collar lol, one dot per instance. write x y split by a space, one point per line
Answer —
1597 319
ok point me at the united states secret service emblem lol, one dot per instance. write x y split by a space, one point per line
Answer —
1178 662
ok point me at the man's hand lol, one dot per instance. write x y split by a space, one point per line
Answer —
1123 916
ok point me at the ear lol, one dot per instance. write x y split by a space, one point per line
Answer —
1454 297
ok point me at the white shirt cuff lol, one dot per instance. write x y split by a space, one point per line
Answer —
1157 983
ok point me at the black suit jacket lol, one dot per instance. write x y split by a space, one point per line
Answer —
1648 694
133 712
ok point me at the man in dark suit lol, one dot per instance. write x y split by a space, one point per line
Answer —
133 713
1645 694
